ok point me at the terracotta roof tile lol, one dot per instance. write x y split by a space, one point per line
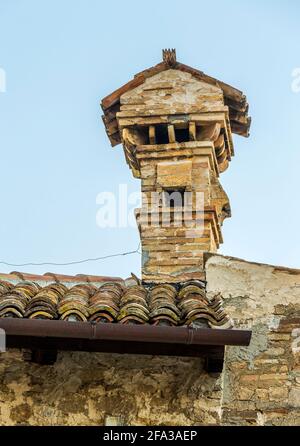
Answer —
16 276
108 301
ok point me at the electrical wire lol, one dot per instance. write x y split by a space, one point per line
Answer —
75 262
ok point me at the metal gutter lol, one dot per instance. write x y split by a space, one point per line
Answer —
43 338
41 328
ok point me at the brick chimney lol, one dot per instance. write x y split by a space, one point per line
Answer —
175 124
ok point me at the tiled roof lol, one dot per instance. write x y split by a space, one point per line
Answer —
105 299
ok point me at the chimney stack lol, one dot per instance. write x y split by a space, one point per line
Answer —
175 124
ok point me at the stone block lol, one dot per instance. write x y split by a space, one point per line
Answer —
174 174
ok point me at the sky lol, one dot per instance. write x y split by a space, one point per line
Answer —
60 58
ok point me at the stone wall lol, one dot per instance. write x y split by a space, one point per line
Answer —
84 388
262 381
260 384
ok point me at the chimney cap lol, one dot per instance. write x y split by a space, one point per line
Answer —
169 56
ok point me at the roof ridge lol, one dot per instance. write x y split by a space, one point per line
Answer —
59 278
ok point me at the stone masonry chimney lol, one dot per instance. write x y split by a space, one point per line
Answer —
176 124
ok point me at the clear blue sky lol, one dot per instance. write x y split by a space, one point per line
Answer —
62 57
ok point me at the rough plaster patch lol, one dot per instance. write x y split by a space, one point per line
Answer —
258 344
251 290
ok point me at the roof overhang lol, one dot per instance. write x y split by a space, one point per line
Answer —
46 337
236 101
